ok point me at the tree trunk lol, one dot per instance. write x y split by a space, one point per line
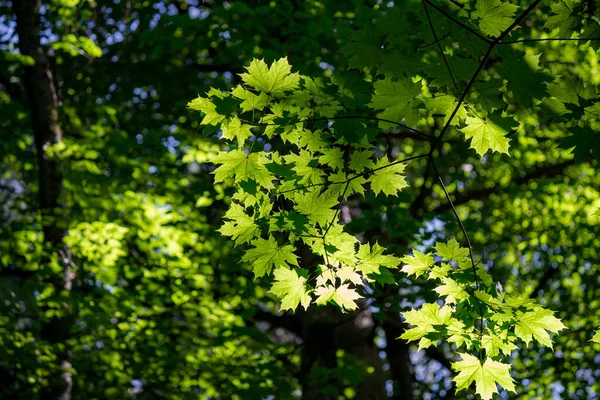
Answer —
325 331
46 129
398 357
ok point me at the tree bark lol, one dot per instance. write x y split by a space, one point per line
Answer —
325 331
43 105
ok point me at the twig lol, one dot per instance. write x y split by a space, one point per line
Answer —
439 45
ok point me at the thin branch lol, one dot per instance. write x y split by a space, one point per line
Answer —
457 22
547 40
460 223
464 231
423 46
423 134
480 68
439 45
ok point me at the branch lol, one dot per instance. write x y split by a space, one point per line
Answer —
439 45
546 40
457 22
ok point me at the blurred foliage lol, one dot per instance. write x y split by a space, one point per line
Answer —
164 307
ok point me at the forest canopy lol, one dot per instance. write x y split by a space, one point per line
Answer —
299 199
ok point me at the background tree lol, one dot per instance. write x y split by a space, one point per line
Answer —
118 286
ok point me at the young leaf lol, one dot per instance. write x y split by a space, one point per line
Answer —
274 80
494 16
451 251
485 376
388 179
241 166
234 129
596 337
290 288
370 259
534 324
342 295
417 264
241 228
489 134
267 254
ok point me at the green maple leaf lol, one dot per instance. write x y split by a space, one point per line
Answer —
485 376
494 16
398 100
451 251
452 290
355 184
342 295
268 254
241 228
524 80
305 167
596 337
494 344
489 134
371 258
361 160
241 166
275 80
251 101
290 288
333 158
235 129
206 106
444 106
316 205
424 322
439 272
417 264
535 324
562 17
347 273
387 178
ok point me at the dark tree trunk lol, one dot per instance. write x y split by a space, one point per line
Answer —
326 330
46 129
398 358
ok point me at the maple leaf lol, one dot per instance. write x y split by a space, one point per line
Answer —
275 80
241 166
494 344
342 295
494 16
234 129
417 264
524 80
424 321
370 259
445 106
387 178
251 101
333 158
451 251
452 290
360 160
534 324
485 376
208 108
348 274
268 254
397 99
489 134
241 228
316 205
290 288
